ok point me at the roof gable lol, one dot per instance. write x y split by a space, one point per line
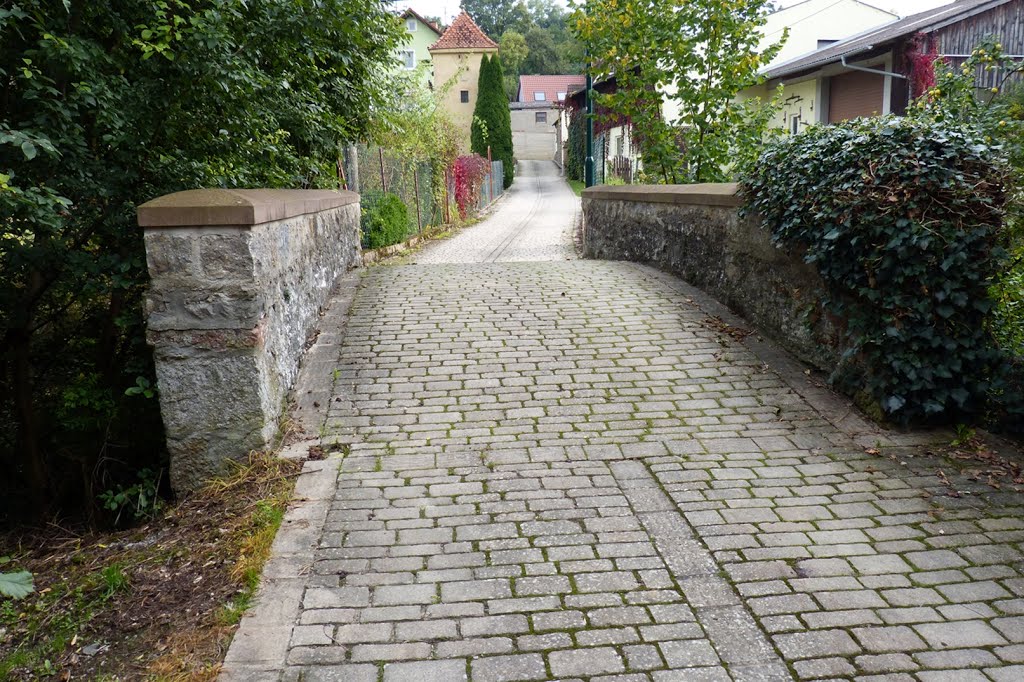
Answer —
413 14
463 34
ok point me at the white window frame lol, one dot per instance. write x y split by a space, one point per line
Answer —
561 96
408 59
541 98
410 25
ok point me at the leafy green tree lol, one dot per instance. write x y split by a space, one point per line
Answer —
495 17
514 51
492 120
544 57
693 56
106 105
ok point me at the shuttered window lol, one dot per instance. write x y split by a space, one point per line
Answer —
855 94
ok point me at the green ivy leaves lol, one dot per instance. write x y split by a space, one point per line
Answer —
902 217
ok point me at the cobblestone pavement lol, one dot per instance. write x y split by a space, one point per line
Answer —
566 470
533 222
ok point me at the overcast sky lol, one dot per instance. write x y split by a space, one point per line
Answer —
446 9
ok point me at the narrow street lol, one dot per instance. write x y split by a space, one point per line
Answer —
532 222
565 470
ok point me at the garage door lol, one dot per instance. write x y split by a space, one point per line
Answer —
855 94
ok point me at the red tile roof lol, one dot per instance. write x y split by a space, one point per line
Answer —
465 34
551 86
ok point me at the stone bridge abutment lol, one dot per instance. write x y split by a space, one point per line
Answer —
237 281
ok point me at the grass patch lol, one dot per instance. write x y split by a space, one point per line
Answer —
577 186
159 601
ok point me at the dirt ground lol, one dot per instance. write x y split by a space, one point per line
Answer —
158 601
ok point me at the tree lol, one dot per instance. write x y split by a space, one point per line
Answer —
514 52
694 56
492 120
104 106
495 17
544 57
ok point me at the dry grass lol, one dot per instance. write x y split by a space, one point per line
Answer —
160 601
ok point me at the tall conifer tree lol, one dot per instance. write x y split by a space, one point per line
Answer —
492 120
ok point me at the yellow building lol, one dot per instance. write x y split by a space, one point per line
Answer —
456 56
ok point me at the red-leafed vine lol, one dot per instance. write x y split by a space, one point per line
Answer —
469 172
922 54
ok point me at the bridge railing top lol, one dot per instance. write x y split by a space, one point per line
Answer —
706 194
238 207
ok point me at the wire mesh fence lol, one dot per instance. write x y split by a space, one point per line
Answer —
429 197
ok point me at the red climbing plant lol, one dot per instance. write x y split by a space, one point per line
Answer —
469 173
922 53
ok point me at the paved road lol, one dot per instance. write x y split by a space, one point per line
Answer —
566 470
532 222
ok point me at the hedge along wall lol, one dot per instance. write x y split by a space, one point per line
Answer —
902 218
869 254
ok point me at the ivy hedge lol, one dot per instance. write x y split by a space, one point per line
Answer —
903 219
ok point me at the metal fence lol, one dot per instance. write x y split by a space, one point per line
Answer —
373 171
493 185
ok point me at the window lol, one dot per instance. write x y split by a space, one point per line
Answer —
408 59
620 145
540 117
538 97
561 97
794 124
464 96
410 25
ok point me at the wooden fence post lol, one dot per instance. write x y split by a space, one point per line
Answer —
383 180
416 191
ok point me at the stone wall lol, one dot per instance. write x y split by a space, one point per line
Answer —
696 233
238 278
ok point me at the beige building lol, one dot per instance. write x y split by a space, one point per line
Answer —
536 112
456 56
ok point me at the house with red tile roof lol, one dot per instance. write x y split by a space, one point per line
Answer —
456 56
535 113
551 89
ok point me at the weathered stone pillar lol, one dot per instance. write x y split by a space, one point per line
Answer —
238 278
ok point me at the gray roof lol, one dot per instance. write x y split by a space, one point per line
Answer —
926 21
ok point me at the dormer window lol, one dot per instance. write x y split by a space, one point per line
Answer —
561 97
538 96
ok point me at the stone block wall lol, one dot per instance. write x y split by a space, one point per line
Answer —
696 233
238 279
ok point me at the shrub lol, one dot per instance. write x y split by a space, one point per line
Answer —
577 156
902 219
384 219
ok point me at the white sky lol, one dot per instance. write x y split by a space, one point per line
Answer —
446 9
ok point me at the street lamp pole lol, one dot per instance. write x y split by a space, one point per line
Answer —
588 166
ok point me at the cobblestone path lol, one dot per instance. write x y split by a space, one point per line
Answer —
567 471
534 222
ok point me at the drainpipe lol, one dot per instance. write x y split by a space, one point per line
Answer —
880 72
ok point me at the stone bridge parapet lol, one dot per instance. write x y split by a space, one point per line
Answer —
237 281
696 232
